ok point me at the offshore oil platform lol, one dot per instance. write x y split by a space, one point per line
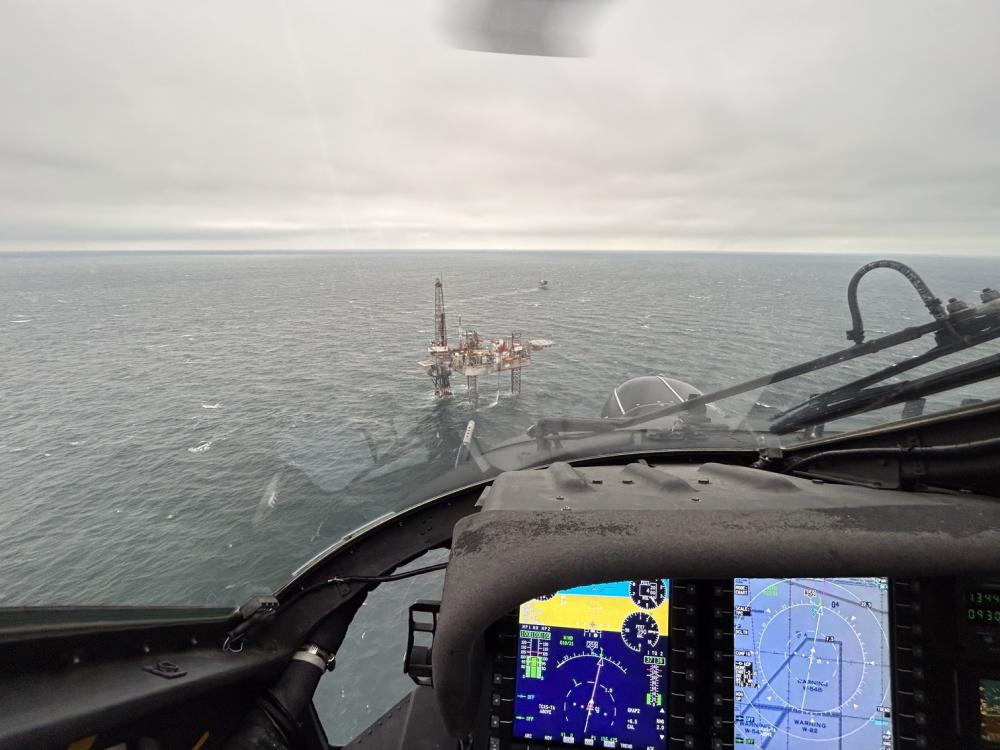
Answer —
474 356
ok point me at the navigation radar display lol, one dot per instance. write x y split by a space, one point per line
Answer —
592 667
811 663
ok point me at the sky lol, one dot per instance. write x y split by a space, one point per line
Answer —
836 126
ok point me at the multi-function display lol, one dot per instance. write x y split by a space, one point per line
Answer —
811 663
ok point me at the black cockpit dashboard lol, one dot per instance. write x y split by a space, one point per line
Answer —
870 647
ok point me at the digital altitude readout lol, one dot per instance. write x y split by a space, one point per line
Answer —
811 663
982 607
592 666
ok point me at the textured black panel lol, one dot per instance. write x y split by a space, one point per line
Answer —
544 530
414 724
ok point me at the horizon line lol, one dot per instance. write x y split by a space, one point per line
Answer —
387 250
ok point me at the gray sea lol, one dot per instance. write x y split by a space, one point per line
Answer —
189 428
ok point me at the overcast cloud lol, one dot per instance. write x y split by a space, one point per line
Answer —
841 125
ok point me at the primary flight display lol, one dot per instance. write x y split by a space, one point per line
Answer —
592 666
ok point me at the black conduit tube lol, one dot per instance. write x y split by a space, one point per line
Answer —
930 451
933 304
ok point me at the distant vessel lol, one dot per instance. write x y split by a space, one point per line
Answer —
543 284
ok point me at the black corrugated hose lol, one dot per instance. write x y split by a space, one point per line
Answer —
275 720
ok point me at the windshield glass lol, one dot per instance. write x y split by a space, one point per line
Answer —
222 232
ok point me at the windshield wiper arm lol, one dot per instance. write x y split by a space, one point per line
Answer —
892 370
828 407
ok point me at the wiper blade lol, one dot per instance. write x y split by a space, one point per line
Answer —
829 407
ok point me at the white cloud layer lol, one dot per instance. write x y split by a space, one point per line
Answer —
847 125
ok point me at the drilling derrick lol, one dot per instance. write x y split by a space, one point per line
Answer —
440 329
439 366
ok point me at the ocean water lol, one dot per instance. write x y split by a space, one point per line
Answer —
189 428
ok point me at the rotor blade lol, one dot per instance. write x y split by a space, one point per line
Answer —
548 28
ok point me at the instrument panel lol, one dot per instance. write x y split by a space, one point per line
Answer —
779 663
